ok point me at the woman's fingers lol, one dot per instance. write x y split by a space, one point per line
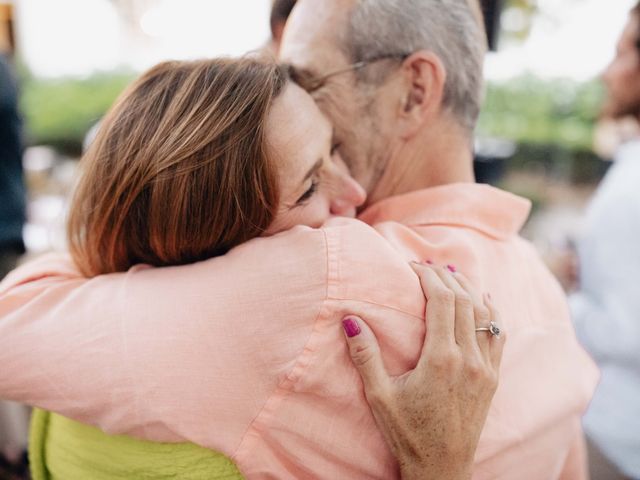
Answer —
468 305
482 315
497 342
366 357
440 309
455 309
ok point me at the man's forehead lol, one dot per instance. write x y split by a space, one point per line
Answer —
310 39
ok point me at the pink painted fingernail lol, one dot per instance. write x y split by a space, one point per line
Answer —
351 327
452 268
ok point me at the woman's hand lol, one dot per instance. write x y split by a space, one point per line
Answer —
432 416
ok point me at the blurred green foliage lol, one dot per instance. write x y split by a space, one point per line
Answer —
535 111
552 123
528 110
59 112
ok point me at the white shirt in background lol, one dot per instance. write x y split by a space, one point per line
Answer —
606 309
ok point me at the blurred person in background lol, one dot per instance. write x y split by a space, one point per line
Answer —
605 302
13 417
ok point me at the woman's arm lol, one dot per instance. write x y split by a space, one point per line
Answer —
432 416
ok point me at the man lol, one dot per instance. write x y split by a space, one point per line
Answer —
606 305
404 103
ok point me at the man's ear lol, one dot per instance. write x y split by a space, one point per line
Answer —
424 78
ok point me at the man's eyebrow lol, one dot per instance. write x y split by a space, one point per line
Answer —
313 169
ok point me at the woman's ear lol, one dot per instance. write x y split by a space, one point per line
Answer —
424 78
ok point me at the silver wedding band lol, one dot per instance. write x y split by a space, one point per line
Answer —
493 329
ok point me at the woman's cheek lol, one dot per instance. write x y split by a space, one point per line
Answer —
313 214
318 212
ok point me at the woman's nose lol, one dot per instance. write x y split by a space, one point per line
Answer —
348 197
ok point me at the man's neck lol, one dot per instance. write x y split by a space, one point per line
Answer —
435 158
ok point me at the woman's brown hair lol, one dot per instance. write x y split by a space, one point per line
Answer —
179 170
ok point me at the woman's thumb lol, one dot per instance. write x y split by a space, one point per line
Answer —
365 353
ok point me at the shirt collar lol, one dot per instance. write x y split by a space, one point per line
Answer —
493 212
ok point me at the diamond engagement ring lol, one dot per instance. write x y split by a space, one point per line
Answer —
493 329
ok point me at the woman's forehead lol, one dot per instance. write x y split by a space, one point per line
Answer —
298 133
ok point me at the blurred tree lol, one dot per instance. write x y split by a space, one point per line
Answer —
60 112
551 122
528 109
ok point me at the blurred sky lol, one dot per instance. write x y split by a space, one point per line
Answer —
570 38
75 37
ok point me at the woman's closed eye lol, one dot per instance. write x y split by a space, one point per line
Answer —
309 193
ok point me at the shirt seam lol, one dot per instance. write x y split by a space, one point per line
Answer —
376 304
494 233
301 362
132 376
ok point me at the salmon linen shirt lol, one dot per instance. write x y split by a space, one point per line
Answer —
245 353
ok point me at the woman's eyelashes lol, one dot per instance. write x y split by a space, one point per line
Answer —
309 193
315 182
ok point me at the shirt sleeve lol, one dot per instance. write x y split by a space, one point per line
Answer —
46 308
179 353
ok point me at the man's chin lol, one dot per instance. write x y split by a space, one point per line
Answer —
617 110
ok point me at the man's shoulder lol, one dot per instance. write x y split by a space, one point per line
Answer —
300 262
339 237
355 243
303 248
346 259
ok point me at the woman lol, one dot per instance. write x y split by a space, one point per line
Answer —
195 159
191 162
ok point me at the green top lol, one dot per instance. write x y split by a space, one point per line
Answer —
62 449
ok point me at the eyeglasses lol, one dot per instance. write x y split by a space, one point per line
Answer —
313 84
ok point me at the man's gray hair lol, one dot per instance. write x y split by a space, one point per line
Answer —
448 28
